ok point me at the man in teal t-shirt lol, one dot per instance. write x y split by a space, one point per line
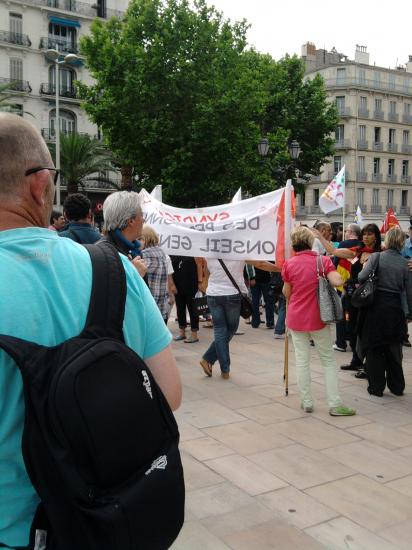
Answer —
45 284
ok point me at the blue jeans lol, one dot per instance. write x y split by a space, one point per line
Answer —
257 290
280 323
225 312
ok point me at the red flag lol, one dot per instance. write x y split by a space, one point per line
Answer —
283 241
389 221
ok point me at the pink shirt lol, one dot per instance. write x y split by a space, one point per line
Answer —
303 308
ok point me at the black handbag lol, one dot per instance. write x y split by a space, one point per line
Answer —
200 304
363 296
245 301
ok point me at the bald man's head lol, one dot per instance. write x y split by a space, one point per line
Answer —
21 148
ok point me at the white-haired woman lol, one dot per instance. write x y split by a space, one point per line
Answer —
383 326
122 226
304 323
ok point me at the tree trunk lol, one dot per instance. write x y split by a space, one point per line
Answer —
126 172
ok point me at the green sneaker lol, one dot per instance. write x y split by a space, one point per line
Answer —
341 411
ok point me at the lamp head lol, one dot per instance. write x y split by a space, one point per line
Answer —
294 150
263 147
53 55
70 58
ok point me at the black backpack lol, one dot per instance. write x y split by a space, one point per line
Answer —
100 442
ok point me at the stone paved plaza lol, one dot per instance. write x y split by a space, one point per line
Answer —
261 474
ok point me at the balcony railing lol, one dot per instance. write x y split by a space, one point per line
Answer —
64 46
392 147
315 178
315 209
361 176
331 175
377 178
16 85
393 117
15 38
342 144
82 8
405 210
379 115
377 146
406 148
344 111
364 208
363 113
391 206
302 210
405 179
376 209
407 119
363 145
392 178
65 91
369 84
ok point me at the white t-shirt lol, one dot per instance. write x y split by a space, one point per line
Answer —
219 283
170 269
318 247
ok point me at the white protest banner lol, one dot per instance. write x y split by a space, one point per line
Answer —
235 231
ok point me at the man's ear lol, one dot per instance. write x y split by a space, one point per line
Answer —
38 185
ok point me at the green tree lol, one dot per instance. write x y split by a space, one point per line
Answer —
80 157
5 96
183 102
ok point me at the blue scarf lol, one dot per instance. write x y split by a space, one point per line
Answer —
134 247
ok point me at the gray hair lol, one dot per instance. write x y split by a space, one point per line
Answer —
21 148
119 208
354 228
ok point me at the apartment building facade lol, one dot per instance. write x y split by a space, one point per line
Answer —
373 138
27 30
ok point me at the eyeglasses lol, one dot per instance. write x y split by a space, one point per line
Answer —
40 168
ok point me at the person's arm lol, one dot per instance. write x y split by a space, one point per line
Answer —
330 249
140 265
265 266
334 278
164 369
368 267
287 290
171 289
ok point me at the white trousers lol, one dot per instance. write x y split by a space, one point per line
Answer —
323 344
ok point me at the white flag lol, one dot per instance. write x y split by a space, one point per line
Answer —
238 195
333 196
358 215
157 193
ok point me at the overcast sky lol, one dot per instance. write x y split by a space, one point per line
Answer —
280 27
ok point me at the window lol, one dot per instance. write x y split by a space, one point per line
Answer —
405 137
363 103
378 105
390 198
101 8
375 197
67 78
16 69
360 195
377 79
405 168
392 135
340 103
16 28
406 82
391 81
377 134
376 166
361 165
303 198
362 132
391 167
67 122
362 76
392 107
406 108
340 76
404 199
64 36
337 164
340 132
316 197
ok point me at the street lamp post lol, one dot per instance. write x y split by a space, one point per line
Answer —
53 55
294 152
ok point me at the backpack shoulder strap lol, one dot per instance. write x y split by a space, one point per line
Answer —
108 296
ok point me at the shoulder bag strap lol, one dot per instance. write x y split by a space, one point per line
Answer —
225 269
320 272
108 295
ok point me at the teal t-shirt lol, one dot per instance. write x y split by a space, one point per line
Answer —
45 285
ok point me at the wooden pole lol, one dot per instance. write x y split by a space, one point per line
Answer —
286 363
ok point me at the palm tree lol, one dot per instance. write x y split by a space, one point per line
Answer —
5 96
81 156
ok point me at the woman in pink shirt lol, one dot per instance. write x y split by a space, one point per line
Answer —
304 322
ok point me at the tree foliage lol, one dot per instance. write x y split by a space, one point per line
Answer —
183 102
80 157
